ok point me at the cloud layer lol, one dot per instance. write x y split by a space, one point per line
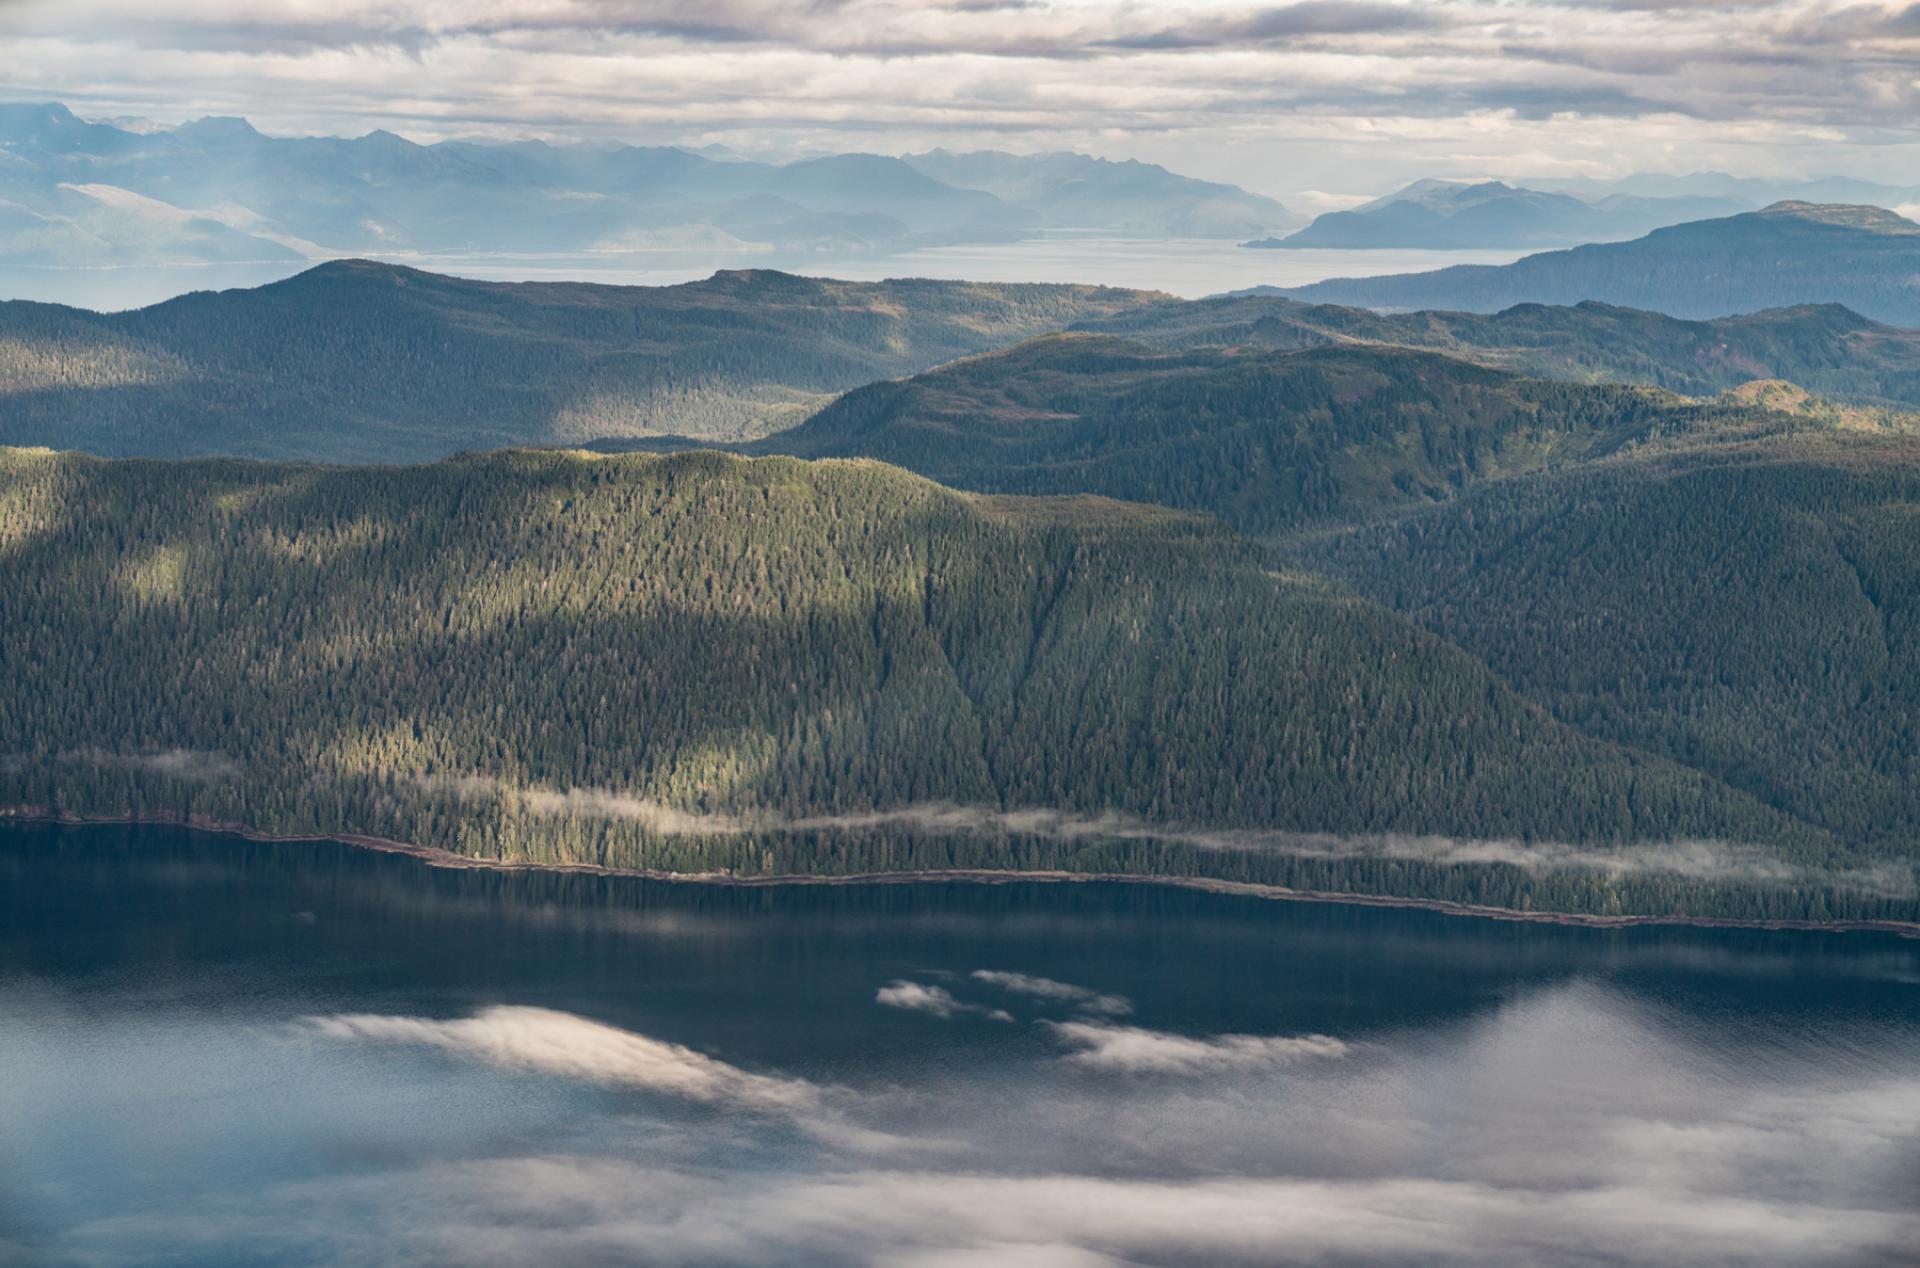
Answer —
1133 1050
1051 991
1220 87
1696 859
1564 1121
918 997
544 1041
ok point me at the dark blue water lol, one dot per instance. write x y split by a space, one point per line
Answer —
216 1052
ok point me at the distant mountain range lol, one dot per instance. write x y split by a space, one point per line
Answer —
217 190
359 361
1074 191
1756 192
1447 215
1866 258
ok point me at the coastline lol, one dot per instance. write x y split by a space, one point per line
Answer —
435 856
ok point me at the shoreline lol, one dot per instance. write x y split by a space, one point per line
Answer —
435 856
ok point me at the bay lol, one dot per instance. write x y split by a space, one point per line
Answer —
215 1051
1185 267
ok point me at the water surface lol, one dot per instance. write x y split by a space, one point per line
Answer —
1184 267
219 1052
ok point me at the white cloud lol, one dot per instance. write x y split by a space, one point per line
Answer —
1701 859
920 998
193 765
1046 988
1133 1050
543 1041
1280 97
1563 1128
503 1212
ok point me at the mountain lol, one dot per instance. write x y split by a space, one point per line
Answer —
1076 191
355 360
700 662
381 194
1751 610
1267 441
1449 215
1826 348
1755 192
1788 254
1728 584
107 225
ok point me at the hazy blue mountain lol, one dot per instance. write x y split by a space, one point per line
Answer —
1077 191
355 360
1863 257
1756 192
1449 215
383 193
218 190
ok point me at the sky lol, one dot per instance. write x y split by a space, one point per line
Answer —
1308 100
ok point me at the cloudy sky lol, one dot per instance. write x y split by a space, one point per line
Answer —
1340 95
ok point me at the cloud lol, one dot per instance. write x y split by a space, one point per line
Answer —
1046 988
1301 93
503 1212
544 1041
1697 859
1133 1050
1559 1128
936 1000
192 765
1293 22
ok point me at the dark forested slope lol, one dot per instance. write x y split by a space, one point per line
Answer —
1267 441
1788 254
563 658
1750 610
1824 348
361 361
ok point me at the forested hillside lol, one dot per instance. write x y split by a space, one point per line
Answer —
1752 611
1824 348
1266 441
684 662
358 361
1787 254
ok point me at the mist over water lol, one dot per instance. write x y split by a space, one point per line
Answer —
1186 267
221 1052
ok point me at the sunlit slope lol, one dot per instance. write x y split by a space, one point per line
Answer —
541 655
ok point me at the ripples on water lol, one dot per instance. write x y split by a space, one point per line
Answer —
218 1052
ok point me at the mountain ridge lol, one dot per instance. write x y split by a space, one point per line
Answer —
866 640
387 362
1866 258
